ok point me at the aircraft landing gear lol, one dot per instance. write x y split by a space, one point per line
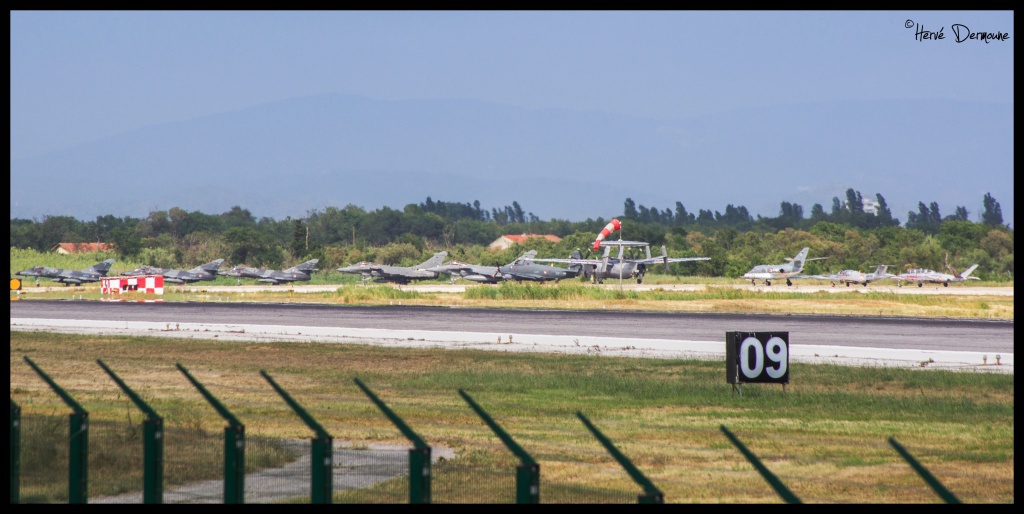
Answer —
788 283
767 282
639 280
752 282
920 284
945 284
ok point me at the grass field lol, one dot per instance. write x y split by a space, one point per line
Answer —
824 436
711 298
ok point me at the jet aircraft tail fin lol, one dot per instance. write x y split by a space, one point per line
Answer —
966 274
103 267
436 260
308 266
212 266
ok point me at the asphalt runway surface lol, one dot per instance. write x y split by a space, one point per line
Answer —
847 340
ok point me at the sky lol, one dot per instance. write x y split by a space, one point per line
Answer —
80 76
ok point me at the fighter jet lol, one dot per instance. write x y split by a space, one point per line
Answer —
69 277
397 274
926 275
621 266
852 276
207 271
298 273
769 272
524 268
471 272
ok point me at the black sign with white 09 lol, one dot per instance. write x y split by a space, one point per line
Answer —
757 357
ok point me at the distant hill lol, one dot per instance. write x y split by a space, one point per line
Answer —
286 158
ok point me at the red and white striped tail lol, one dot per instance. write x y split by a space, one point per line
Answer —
151 284
612 226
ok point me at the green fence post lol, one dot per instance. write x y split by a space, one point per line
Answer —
923 472
528 471
78 441
152 443
651 493
419 455
15 452
774 481
321 452
234 445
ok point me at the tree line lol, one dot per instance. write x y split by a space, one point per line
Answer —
851 236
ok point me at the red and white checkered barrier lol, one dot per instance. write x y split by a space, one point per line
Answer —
152 284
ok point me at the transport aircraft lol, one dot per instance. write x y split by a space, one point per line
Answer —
397 274
68 276
301 272
921 276
524 268
769 272
207 271
852 276
621 266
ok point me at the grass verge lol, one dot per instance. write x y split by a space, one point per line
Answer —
824 437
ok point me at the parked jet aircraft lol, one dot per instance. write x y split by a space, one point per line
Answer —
68 276
471 272
852 276
207 271
769 272
524 268
397 274
620 267
926 275
298 273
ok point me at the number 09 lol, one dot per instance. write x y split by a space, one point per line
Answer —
774 349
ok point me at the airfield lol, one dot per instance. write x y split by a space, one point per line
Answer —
917 343
928 289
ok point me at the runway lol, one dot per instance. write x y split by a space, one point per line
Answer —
863 341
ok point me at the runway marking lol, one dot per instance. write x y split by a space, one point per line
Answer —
495 341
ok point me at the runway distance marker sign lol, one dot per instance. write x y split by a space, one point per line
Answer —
757 357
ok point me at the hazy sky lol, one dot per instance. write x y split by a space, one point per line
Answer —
80 76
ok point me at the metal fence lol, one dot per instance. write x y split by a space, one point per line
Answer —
70 459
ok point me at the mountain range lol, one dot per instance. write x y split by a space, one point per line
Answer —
289 157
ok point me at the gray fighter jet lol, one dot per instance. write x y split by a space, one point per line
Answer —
471 272
397 274
298 273
207 271
524 268
67 276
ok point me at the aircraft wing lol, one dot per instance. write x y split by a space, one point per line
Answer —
628 244
819 277
173 280
660 260
571 261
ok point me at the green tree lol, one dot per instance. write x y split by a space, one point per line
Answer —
629 210
299 246
993 214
